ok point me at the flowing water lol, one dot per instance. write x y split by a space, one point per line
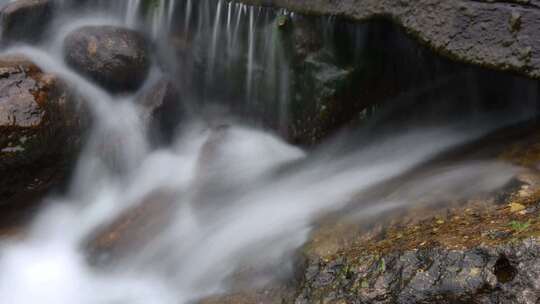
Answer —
243 200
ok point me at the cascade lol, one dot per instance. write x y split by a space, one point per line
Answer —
243 199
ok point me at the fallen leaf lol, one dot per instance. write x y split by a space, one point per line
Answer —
516 207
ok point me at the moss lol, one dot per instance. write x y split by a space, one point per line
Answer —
518 226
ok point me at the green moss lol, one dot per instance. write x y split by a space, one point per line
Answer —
518 226
382 266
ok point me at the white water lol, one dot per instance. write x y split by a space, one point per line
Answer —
243 198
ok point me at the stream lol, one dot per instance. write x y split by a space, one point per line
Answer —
235 200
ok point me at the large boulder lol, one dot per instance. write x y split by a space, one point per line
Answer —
25 20
116 58
40 130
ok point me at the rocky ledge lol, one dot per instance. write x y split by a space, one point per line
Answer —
503 35
482 250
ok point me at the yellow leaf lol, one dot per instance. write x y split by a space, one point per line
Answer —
516 207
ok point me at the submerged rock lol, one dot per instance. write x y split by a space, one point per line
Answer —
116 58
40 130
133 230
25 20
162 108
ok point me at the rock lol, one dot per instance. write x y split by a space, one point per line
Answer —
503 35
25 20
320 81
479 252
323 85
305 36
281 293
116 58
162 109
40 130
475 251
133 230
500 274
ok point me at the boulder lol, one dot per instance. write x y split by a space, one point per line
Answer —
40 130
116 58
25 20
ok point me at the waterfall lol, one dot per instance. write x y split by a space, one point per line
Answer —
238 196
132 12
250 53
226 36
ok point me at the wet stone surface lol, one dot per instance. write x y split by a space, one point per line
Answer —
24 20
116 58
40 130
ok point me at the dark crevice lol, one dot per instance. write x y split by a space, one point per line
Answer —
504 270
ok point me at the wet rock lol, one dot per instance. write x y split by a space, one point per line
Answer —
323 85
321 82
40 130
116 58
133 230
281 293
25 20
480 252
304 34
162 109
432 275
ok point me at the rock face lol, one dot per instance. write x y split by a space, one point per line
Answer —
24 20
498 34
502 274
485 251
116 58
40 130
